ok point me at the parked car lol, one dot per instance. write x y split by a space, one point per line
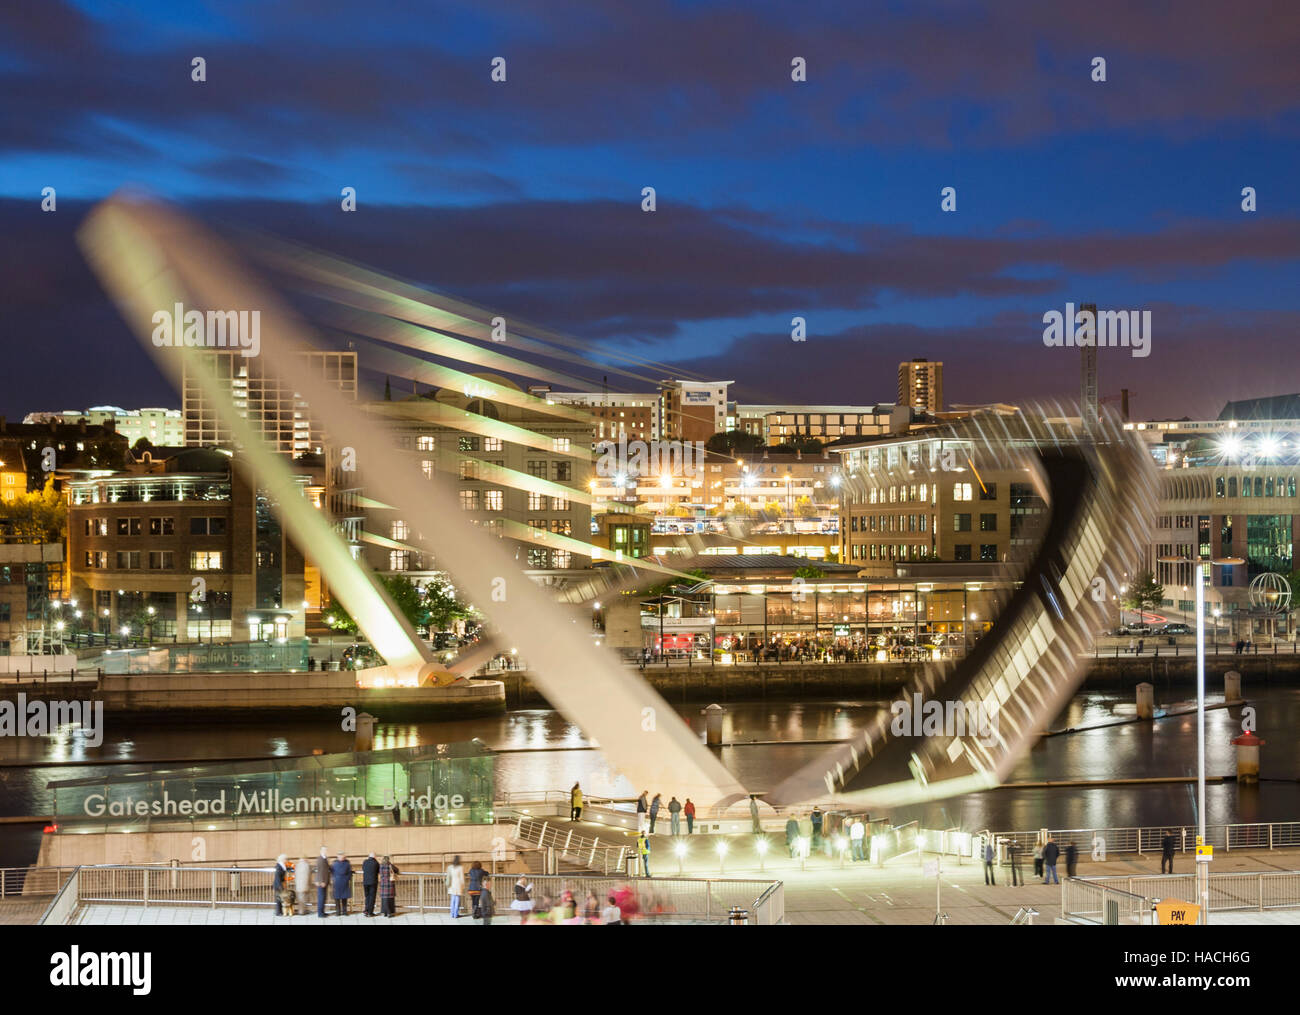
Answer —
1175 629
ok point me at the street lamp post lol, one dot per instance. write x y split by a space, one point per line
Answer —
1202 867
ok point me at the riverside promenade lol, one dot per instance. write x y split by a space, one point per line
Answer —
818 892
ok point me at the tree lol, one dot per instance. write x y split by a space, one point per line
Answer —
404 594
741 509
40 517
141 446
805 508
1144 594
664 588
734 442
774 508
441 606
809 572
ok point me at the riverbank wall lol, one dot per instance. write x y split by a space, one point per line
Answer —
237 697
880 681
219 846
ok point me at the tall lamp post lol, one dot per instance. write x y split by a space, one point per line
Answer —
1202 868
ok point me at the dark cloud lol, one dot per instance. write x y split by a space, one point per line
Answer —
927 73
606 272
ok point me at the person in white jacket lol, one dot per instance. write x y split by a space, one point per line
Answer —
302 883
456 886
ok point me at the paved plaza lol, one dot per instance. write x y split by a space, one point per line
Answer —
822 892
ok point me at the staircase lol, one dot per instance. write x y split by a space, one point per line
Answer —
574 852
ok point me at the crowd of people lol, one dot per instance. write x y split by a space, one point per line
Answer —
332 879
620 907
1046 855
469 891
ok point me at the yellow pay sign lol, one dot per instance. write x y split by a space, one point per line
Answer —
1177 912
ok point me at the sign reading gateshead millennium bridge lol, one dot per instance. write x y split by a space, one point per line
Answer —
442 784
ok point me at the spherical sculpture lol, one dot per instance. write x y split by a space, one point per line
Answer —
1270 592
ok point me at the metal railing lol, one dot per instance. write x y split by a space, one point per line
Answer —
64 906
769 908
1275 835
568 844
669 899
898 841
1244 890
17 881
1089 900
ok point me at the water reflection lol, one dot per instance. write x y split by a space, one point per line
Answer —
1164 748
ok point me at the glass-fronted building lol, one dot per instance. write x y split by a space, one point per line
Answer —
441 784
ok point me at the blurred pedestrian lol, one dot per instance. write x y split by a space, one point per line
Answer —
1071 859
675 816
643 851
487 906
1167 852
342 872
641 808
475 889
791 834
654 812
1050 852
523 904
455 886
989 855
575 803
611 915
282 887
322 871
302 883
591 908
857 838
388 887
755 827
370 882
689 811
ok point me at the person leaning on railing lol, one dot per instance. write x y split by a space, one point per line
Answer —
388 887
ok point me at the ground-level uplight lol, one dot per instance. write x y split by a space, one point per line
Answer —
722 853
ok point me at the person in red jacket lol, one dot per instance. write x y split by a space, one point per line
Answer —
689 811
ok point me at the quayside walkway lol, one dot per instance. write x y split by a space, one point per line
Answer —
817 891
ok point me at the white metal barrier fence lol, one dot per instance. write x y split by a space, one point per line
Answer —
579 849
1275 835
1245 890
708 900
